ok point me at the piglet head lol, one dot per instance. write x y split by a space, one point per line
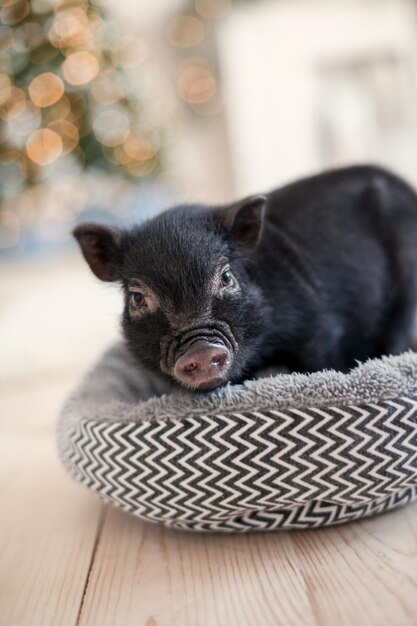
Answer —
193 312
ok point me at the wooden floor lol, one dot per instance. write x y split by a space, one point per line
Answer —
67 559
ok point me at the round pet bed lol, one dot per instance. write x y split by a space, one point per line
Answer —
287 451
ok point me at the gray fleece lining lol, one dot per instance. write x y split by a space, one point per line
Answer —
118 390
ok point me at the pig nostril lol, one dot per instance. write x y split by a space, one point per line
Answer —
190 367
219 359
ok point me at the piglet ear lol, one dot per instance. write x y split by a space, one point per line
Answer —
244 220
100 246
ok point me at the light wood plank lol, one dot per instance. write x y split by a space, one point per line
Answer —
30 404
144 574
363 574
48 527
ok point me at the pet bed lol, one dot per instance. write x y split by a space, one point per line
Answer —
281 452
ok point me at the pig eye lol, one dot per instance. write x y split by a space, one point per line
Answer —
227 281
138 298
138 304
142 300
227 278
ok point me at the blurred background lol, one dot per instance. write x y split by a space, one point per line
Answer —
112 110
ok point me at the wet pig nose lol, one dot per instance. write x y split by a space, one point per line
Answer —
202 364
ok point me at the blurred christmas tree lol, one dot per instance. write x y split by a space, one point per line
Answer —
66 102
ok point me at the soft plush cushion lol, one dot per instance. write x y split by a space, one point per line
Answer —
287 451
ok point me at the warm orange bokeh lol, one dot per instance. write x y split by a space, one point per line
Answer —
5 88
70 28
68 133
213 9
140 148
185 31
80 67
14 11
44 146
46 89
196 83
14 96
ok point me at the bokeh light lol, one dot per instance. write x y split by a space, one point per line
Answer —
185 31
68 133
44 146
80 67
23 119
213 9
108 87
16 96
141 148
18 57
141 169
14 11
6 35
41 6
5 88
129 51
62 109
46 89
70 28
196 82
111 126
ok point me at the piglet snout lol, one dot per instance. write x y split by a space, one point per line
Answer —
202 364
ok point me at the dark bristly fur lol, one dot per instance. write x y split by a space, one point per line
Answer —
327 278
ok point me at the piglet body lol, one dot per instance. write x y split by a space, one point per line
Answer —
319 274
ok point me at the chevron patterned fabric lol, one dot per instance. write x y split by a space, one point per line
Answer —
252 469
